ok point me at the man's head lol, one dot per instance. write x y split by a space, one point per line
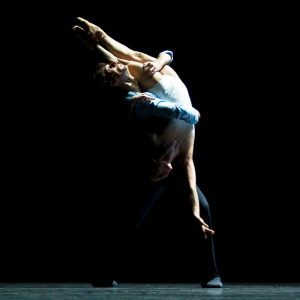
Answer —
113 73
101 75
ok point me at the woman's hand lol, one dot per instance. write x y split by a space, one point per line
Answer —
205 229
151 67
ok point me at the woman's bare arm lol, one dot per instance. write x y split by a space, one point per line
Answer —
188 168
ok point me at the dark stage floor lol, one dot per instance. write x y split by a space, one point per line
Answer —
148 291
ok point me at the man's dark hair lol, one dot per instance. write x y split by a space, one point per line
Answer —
101 75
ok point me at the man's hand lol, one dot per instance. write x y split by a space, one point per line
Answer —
141 97
82 35
95 32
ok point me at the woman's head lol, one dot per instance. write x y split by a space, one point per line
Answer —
159 157
159 170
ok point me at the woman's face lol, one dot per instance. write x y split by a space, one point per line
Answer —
160 170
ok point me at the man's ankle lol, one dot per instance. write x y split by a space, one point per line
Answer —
104 283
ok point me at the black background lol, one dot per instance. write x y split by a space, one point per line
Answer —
233 61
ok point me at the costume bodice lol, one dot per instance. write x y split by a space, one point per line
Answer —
172 89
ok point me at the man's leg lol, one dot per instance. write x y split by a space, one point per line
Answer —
150 194
105 244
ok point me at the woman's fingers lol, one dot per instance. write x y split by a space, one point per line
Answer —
207 231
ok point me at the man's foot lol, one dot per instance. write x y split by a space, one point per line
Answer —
104 283
216 282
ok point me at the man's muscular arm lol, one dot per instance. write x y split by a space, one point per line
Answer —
98 36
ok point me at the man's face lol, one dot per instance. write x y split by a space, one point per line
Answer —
117 73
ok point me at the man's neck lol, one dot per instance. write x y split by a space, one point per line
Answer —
131 85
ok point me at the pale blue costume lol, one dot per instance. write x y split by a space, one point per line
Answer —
170 99
163 108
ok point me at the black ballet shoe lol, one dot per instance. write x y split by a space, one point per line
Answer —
104 283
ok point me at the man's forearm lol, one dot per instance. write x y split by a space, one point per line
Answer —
122 51
100 37
147 105
107 56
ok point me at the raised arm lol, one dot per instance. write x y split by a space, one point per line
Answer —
99 36
97 39
85 38
150 63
